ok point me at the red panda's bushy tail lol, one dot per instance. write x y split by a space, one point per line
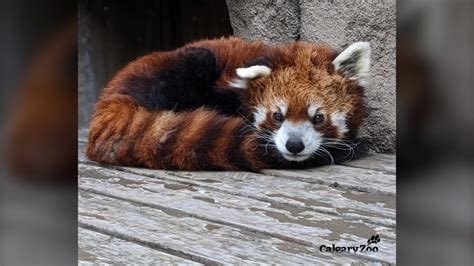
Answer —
123 133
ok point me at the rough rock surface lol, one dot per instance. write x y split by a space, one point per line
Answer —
269 21
338 23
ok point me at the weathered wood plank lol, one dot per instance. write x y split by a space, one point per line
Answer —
351 205
188 237
375 161
96 248
300 225
317 192
351 178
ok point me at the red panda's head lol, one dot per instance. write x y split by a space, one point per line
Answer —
307 96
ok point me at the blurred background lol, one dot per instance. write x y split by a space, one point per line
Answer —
38 103
41 110
435 122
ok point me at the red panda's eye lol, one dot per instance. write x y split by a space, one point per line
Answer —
278 117
317 119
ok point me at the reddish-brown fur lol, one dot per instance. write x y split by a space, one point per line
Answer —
306 68
124 133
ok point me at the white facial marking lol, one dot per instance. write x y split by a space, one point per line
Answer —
283 107
312 109
354 62
338 120
304 131
259 115
253 72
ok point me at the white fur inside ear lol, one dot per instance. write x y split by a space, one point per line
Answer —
354 62
239 83
253 72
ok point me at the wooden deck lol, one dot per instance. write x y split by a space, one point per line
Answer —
141 216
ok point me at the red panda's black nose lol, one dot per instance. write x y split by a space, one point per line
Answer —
294 145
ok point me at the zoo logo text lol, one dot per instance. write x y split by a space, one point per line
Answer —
361 248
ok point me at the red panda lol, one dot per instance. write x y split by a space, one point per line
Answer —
228 104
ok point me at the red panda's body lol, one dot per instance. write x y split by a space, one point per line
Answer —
187 109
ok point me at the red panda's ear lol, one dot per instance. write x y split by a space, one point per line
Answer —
354 62
248 73
253 72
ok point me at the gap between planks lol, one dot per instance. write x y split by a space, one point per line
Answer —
98 248
149 244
